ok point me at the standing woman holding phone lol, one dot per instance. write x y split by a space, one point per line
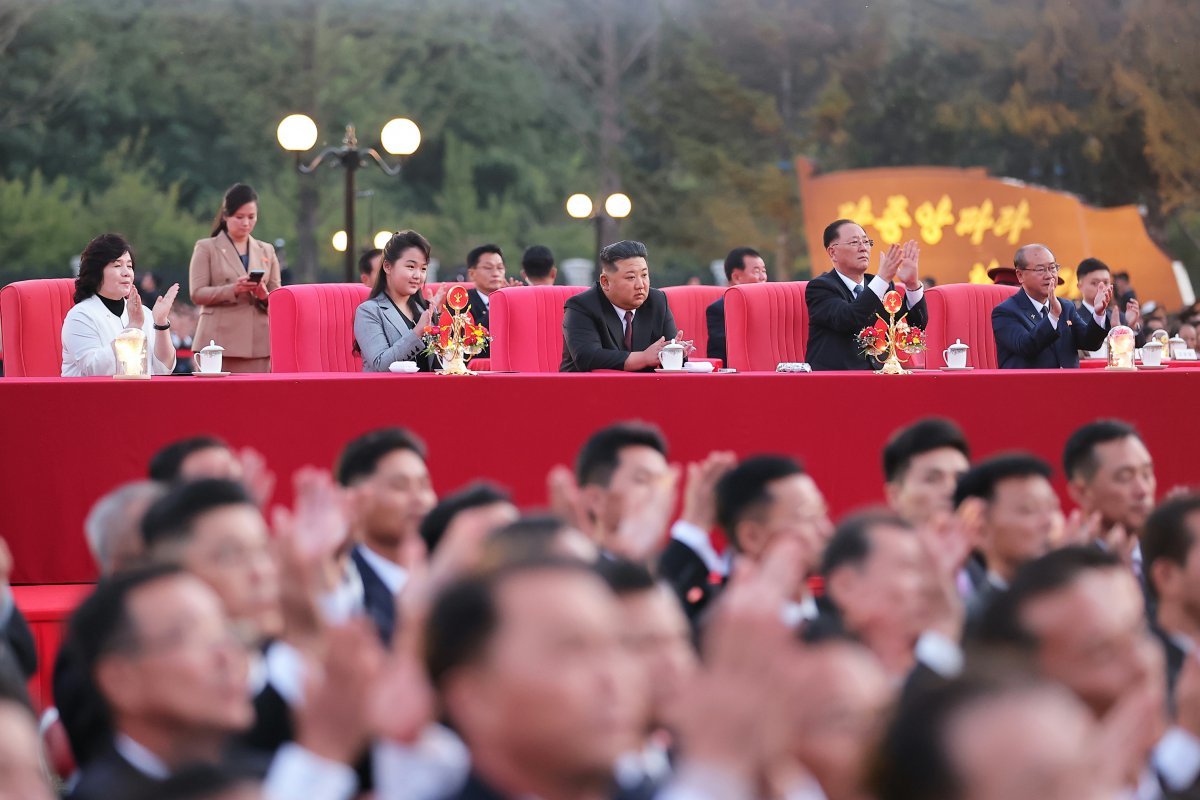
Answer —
231 276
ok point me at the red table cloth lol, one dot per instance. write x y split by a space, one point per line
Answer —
65 442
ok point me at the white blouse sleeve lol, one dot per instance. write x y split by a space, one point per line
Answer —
86 350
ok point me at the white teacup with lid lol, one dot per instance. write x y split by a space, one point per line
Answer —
671 356
956 355
209 358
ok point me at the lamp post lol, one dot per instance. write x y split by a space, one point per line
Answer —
297 133
617 206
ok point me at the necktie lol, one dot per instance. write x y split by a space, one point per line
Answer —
629 331
1045 310
858 290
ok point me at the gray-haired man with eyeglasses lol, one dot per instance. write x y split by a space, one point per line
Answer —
1036 330
846 299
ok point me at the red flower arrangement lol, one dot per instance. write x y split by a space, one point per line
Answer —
456 337
891 338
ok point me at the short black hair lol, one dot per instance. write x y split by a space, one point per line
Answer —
1001 623
476 254
168 461
364 261
742 492
625 577
100 626
465 617
850 544
172 516
982 479
1079 453
1121 276
923 436
437 521
1166 535
537 261
360 458
99 253
911 760
598 459
737 260
619 251
1090 265
831 230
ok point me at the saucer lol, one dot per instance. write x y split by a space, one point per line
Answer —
1148 366
672 371
210 374
955 369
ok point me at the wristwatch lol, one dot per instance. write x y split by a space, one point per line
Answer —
166 327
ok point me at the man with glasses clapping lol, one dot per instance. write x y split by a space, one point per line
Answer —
1036 330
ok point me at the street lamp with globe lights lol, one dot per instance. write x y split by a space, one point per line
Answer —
297 133
617 206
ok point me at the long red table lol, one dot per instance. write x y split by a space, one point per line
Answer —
65 442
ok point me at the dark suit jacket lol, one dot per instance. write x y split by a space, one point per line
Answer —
689 576
1175 658
835 318
379 602
109 777
19 640
593 334
715 316
1026 340
477 789
482 314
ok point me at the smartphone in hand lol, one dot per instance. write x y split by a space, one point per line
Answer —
256 275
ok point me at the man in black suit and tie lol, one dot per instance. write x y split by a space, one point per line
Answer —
620 323
390 494
847 298
742 265
1171 567
1034 329
485 268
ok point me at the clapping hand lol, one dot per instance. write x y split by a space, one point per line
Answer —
509 283
1133 314
907 273
643 525
435 307
890 261
700 495
1103 298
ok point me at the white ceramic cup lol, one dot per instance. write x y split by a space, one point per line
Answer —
208 361
671 357
956 355
1152 354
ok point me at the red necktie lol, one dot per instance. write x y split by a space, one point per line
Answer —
629 331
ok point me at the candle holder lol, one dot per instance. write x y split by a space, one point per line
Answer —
130 350
1120 349
456 337
889 342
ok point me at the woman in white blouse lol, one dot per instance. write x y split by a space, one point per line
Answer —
106 303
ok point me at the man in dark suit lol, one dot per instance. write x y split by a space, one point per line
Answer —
742 265
1014 512
1172 572
485 268
391 494
16 640
847 298
539 641
620 323
156 652
1034 329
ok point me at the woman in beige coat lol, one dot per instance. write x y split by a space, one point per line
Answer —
231 276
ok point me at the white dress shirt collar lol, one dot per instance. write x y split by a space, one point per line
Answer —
392 574
484 297
140 758
621 313
1039 305
850 282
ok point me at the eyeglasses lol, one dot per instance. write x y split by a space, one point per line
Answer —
1042 272
857 242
